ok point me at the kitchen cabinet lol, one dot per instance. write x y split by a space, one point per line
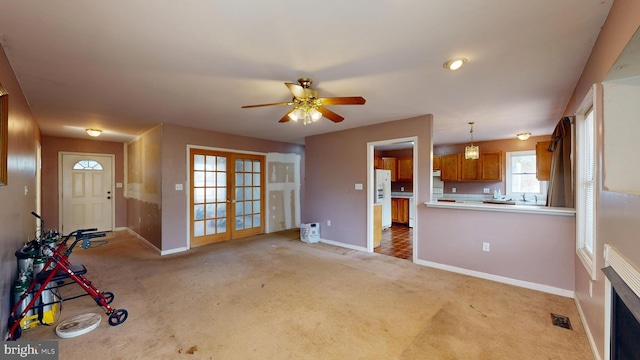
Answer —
449 167
377 225
400 210
405 169
378 163
543 161
390 163
436 162
488 167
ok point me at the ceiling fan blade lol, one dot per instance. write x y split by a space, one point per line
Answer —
286 117
347 100
274 104
297 90
330 114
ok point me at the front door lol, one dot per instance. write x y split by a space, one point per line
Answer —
227 191
87 192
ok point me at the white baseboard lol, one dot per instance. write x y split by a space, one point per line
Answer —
340 244
587 330
500 279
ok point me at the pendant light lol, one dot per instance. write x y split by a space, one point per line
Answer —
471 152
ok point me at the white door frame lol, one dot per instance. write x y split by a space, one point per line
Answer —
61 187
371 189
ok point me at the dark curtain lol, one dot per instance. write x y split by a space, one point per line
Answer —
560 192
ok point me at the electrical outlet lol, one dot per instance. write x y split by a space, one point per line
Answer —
328 222
485 190
485 246
401 188
453 190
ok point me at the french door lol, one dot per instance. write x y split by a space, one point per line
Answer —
227 196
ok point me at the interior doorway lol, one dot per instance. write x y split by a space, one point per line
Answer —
399 238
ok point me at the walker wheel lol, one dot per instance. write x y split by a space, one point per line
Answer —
108 296
118 316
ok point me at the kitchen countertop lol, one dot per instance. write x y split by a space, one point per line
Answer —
517 208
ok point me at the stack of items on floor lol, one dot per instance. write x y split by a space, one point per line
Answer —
31 259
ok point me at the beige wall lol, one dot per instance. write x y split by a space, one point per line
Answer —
174 165
51 146
617 215
18 197
340 161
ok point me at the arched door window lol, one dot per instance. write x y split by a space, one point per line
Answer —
87 165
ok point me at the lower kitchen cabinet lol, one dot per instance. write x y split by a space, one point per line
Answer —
400 210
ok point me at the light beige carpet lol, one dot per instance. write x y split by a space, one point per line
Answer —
275 297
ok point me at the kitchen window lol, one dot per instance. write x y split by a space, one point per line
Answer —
521 177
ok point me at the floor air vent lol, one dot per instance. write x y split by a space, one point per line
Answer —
561 321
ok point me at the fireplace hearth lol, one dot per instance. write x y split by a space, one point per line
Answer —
624 308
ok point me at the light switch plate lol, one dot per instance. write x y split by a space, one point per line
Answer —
358 186
118 185
178 187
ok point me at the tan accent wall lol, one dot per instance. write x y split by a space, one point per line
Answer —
144 186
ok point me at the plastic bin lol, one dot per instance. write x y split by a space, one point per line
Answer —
310 233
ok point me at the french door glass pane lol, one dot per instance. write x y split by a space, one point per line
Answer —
209 194
198 228
198 162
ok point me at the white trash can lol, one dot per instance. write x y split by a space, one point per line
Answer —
310 233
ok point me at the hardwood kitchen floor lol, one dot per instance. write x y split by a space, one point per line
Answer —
397 241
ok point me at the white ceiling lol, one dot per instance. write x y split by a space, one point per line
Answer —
124 66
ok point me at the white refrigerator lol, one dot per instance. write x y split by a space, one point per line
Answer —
383 195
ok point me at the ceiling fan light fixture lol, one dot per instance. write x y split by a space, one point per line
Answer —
94 132
523 136
454 64
315 114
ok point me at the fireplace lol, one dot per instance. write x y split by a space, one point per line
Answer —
624 307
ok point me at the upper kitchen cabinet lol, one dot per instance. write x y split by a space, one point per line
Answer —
449 167
390 163
543 161
490 166
405 169
487 168
378 163
436 162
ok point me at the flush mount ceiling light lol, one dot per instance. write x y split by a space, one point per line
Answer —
94 132
523 136
454 64
471 152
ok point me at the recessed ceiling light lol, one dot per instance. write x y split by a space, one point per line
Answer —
454 64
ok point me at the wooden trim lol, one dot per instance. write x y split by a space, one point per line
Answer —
4 134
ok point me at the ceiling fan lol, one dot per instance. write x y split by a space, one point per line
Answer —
308 107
